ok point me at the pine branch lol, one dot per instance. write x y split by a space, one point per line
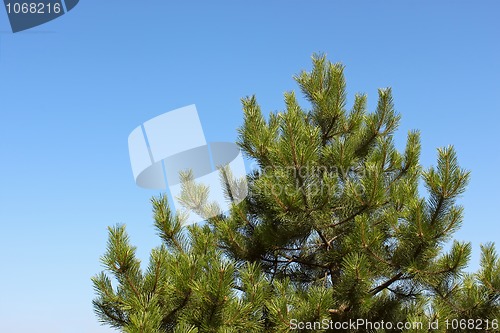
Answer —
351 217
386 284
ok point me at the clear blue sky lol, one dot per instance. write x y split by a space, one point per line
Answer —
73 89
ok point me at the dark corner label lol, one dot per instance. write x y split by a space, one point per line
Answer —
24 14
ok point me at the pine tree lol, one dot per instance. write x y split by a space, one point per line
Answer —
333 230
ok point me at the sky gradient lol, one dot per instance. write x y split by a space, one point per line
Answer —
72 90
